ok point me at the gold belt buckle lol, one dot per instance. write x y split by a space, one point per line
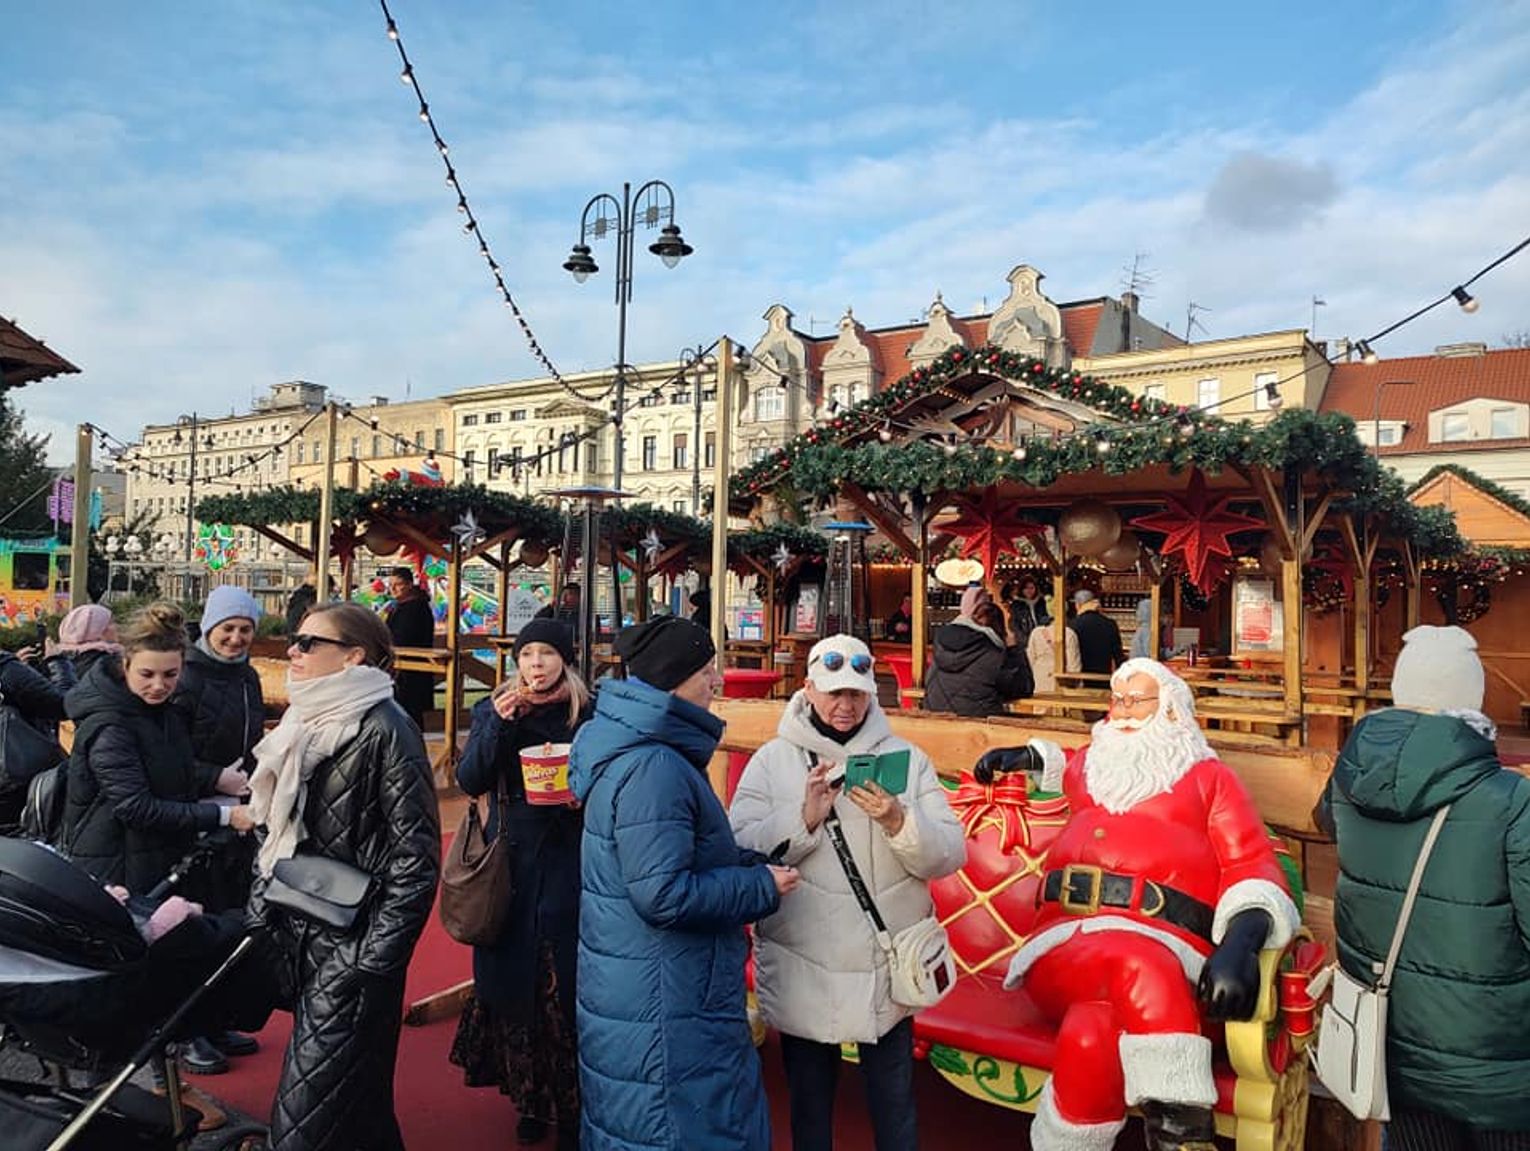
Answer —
1090 904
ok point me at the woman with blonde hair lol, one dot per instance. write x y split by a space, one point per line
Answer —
517 1031
134 801
344 777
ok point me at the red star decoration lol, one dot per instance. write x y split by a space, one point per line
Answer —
988 528
1196 527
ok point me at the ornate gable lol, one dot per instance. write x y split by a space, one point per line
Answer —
939 336
1029 323
852 370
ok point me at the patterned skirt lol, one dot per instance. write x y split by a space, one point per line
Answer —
534 1063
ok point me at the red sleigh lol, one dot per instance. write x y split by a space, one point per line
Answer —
994 1045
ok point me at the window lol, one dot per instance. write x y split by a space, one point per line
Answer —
318 451
680 397
1263 381
297 452
516 414
1208 396
493 417
651 399
1505 424
470 420
708 395
770 404
439 440
1391 435
29 571
1153 392
1454 426
419 438
678 505
758 453
467 461
355 447
591 461
682 455
709 452
376 446
650 453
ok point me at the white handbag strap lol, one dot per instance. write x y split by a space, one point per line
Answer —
1433 834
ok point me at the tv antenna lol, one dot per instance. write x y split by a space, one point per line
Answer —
1136 278
1191 323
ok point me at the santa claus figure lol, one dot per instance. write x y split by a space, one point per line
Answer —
1158 895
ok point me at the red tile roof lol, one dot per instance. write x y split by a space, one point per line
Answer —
1080 322
1435 382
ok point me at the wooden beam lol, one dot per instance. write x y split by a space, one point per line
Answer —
1315 519
277 537
1039 543
419 539
1414 585
502 587
1274 509
480 550
885 521
919 590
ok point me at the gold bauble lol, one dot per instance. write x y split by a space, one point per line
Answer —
1122 555
1089 528
381 539
533 555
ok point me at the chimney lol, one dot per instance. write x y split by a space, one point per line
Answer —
1130 301
1460 351
379 401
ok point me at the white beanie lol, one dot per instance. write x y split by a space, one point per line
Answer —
1438 670
228 602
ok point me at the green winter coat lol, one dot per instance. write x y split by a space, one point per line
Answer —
1459 1023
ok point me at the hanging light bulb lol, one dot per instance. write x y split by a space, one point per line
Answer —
1272 397
1467 301
392 29
407 75
1020 451
1102 445
1367 353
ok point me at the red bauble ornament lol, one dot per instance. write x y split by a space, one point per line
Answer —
956 357
1196 528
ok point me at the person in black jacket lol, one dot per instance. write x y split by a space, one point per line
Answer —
345 776
220 700
1027 609
1099 639
412 623
134 804
975 673
517 1030
38 702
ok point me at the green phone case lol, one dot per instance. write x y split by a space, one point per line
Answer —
889 771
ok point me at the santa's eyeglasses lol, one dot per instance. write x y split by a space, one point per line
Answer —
1131 700
834 660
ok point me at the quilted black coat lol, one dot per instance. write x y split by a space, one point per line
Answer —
30 692
372 804
132 809
224 710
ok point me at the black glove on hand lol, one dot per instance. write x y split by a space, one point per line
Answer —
1229 985
1002 760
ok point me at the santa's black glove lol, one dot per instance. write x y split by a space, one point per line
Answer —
1229 985
1002 760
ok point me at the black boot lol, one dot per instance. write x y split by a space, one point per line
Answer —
1178 1127
200 1057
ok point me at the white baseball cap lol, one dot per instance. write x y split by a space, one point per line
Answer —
840 662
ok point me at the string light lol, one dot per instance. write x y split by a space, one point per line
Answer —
470 227
1467 301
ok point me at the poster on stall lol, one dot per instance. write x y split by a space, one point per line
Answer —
805 610
1257 616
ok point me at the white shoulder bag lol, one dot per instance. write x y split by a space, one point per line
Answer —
1350 1053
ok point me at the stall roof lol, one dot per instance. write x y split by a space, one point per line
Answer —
24 358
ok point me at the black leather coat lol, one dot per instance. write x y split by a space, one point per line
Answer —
34 695
132 809
371 804
412 623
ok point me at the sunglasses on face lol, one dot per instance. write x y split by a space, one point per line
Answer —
834 660
305 642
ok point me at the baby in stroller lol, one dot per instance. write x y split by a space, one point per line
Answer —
90 979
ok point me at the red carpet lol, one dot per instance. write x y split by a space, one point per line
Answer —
437 1112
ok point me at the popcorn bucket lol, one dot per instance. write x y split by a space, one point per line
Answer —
544 770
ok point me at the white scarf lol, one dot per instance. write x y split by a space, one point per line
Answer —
322 715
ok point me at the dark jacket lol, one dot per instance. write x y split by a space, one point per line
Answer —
412 623
1025 616
1099 642
302 598
372 804
1458 1042
223 709
67 668
132 807
899 628
974 673
39 700
544 861
665 1055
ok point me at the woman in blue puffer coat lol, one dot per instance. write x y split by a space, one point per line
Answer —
665 1055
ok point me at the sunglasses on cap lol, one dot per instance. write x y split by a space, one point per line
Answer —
834 660
305 642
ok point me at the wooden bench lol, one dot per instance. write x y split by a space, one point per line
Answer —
994 1045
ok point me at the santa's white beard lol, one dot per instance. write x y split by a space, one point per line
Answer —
1126 764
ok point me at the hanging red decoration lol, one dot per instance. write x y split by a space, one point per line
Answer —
988 528
1196 527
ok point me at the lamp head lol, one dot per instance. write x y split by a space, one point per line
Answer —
669 247
580 264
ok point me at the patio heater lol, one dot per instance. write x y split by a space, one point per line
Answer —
849 579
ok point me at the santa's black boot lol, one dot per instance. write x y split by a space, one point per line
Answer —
1178 1127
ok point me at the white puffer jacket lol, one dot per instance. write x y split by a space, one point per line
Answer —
819 972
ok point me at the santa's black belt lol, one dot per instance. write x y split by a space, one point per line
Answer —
1083 889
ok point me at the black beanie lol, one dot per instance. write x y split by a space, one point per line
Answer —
554 633
665 652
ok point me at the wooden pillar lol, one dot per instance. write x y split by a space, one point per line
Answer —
1060 612
1155 620
502 587
1413 582
1291 593
453 646
919 590
79 530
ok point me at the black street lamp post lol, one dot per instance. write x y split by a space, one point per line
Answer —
652 203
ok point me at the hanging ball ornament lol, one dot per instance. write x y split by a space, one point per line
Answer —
381 539
1122 555
1089 528
533 555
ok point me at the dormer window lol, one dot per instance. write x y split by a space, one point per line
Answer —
1455 426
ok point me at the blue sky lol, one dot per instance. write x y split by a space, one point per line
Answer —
200 200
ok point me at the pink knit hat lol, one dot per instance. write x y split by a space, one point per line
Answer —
85 629
972 597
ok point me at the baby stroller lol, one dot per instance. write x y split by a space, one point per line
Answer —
81 990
